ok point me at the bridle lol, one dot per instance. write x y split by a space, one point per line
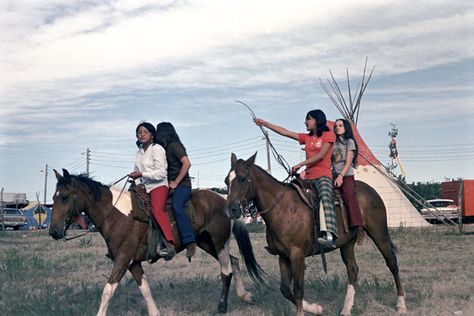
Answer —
69 219
244 203
75 213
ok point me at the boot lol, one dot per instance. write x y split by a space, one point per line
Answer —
168 252
327 241
190 250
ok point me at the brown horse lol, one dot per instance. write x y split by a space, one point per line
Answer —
126 238
290 230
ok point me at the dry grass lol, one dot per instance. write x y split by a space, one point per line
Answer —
40 276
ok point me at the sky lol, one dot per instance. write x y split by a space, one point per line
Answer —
81 75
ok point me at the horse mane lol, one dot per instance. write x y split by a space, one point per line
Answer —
93 185
269 176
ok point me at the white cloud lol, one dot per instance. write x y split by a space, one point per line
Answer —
75 70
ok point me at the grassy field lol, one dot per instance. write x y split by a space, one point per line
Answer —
40 276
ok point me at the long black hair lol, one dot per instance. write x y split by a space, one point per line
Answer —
348 134
321 122
149 128
166 134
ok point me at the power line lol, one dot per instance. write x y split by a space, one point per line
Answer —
428 146
223 146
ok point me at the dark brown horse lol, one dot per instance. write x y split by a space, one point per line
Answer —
126 238
290 230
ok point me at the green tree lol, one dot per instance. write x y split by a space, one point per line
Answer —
427 190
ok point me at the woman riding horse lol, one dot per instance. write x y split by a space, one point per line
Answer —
126 238
290 230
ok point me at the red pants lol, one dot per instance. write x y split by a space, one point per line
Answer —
348 195
158 198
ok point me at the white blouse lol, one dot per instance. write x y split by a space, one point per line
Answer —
153 166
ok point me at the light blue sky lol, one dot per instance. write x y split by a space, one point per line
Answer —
83 74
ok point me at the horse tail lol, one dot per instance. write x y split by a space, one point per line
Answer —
255 271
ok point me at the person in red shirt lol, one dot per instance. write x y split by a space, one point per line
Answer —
318 144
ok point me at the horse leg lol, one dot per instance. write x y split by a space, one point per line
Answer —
119 269
136 270
239 285
286 273
388 250
297 270
223 257
348 257
286 278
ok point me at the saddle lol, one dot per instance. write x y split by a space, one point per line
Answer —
141 211
141 205
310 197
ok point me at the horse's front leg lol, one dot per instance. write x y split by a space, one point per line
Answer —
107 294
136 270
297 269
286 278
119 269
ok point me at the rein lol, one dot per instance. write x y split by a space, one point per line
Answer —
271 207
265 210
105 217
68 222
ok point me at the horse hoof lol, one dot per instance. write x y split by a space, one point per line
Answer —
401 306
222 308
402 311
315 309
248 298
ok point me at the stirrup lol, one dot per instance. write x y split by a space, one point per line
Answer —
327 241
167 253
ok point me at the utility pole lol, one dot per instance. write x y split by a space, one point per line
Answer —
45 182
267 143
1 209
88 159
460 206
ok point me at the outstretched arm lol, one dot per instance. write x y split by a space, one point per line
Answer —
277 129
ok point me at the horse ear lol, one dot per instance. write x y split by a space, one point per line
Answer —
233 160
66 175
58 175
252 159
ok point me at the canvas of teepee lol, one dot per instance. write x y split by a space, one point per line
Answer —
400 212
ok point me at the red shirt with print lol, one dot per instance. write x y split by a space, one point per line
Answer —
312 146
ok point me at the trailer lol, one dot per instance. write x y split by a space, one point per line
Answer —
460 191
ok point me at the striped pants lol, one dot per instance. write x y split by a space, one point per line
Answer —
327 213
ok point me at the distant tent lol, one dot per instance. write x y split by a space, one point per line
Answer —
400 212
38 215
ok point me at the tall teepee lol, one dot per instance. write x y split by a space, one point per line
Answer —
400 212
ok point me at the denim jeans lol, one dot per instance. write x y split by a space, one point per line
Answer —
180 197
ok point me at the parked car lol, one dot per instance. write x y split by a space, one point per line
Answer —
13 217
438 209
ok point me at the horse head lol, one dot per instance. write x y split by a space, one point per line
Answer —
66 206
240 184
